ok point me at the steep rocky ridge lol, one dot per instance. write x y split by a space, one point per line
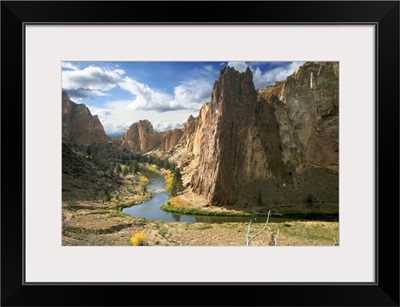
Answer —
79 126
141 137
224 146
308 112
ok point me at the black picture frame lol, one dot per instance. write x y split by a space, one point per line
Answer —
383 14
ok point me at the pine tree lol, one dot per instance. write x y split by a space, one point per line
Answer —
133 167
177 184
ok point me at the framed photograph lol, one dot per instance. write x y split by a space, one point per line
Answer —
246 153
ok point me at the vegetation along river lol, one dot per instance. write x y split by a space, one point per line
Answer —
151 209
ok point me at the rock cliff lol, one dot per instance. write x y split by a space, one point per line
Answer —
79 126
229 119
275 137
171 138
141 138
307 109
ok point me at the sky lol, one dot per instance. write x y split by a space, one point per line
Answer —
165 93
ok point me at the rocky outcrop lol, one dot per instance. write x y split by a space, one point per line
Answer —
79 126
230 145
307 109
284 131
171 138
141 137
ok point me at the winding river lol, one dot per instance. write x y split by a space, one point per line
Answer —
151 209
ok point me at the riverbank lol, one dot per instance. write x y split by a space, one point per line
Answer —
112 229
98 222
190 204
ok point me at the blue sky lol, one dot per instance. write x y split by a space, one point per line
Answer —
165 93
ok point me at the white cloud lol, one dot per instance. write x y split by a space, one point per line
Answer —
208 68
261 79
190 95
193 92
114 117
163 126
145 97
239 66
91 81
69 65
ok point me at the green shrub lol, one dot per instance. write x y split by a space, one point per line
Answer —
309 199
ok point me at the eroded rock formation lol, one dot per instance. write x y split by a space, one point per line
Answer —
282 132
141 137
79 126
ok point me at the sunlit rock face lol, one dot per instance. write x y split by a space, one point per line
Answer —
141 137
171 138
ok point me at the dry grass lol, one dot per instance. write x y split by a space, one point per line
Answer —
178 202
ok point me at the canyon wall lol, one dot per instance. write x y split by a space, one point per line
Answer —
282 132
79 126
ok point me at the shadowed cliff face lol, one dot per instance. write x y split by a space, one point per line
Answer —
307 110
228 138
79 126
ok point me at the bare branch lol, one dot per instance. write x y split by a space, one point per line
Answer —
275 237
248 239
248 233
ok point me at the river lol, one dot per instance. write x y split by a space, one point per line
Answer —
151 209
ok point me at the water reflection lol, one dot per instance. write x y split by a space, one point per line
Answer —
176 217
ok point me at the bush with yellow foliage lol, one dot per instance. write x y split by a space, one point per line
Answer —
139 239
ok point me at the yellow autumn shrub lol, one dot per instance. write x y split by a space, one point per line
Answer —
139 239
